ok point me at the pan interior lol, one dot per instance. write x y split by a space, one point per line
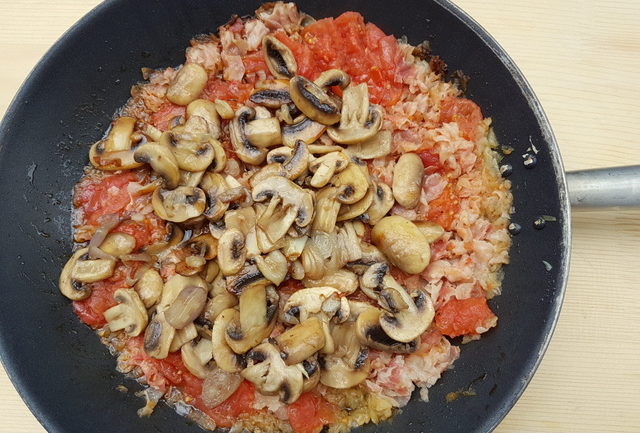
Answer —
68 378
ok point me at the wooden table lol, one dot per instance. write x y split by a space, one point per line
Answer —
582 58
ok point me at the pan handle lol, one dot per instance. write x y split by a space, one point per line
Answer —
604 187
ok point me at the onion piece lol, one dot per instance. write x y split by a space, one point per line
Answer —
218 386
108 223
140 257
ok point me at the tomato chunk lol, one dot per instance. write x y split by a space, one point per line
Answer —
310 413
104 196
167 111
464 317
444 208
464 112
234 92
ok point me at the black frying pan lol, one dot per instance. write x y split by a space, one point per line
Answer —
67 377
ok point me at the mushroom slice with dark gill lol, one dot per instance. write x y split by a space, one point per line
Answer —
258 312
114 152
225 358
408 323
279 58
271 93
246 151
162 161
352 183
371 334
296 165
305 129
271 375
381 204
231 251
249 276
324 167
178 205
70 288
158 336
333 78
349 365
130 314
197 357
359 121
314 101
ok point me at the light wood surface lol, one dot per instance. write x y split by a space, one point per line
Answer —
582 58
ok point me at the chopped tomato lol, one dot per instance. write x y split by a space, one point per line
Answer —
430 161
91 310
444 208
104 196
464 112
140 230
347 43
167 111
241 401
463 317
310 413
254 62
234 92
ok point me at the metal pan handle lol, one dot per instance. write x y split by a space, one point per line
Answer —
604 187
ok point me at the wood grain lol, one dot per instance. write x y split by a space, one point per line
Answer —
582 59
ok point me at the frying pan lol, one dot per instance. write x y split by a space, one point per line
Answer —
67 377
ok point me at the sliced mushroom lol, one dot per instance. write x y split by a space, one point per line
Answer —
149 287
327 209
263 132
352 184
271 98
271 375
278 155
402 243
301 341
220 156
214 185
86 270
258 305
371 281
305 129
225 358
224 109
350 211
376 147
278 57
293 247
180 204
248 277
273 266
189 178
296 165
314 101
218 303
73 290
243 219
174 285
129 315
174 235
246 151
187 85
183 336
197 356
332 78
311 373
204 245
191 152
324 167
381 205
231 252
162 161
114 152
349 365
359 121
371 334
186 306
294 203
158 336
407 180
407 324
344 281
207 111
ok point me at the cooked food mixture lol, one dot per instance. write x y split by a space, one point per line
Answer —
285 232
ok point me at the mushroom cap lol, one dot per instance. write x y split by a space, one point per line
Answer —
180 204
402 243
161 160
352 183
407 324
371 334
278 57
68 287
305 129
381 204
314 101
130 314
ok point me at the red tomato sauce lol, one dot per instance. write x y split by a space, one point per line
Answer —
361 50
464 112
108 195
310 413
462 317
165 114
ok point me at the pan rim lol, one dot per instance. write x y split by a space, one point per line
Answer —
17 375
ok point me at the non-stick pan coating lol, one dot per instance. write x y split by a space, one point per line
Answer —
67 377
